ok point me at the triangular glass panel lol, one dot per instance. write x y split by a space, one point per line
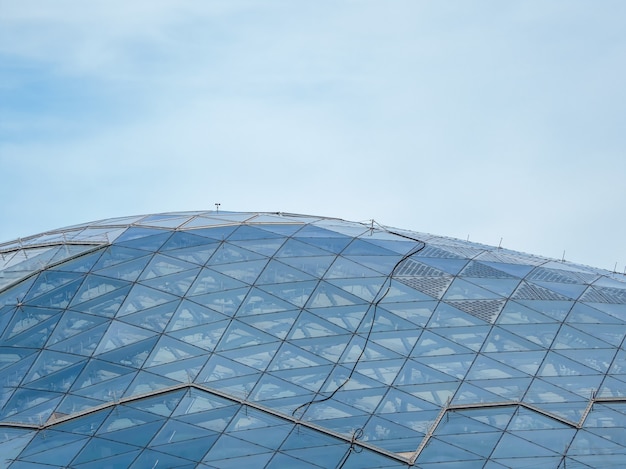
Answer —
315 266
469 394
121 460
290 357
370 289
277 324
82 264
511 389
146 235
266 246
114 255
228 253
500 286
569 290
120 334
202 336
390 435
95 286
418 312
270 388
183 240
571 338
162 265
138 435
278 272
155 319
165 221
345 268
556 364
36 336
191 314
259 302
240 335
516 270
311 378
297 293
463 290
30 406
511 446
384 371
184 371
397 291
66 447
99 448
228 447
190 450
516 313
219 368
27 317
471 337
195 401
453 365
239 387
616 310
49 280
83 343
257 356
330 347
97 371
361 247
327 295
414 372
49 362
72 404
169 350
198 255
399 341
141 297
585 314
309 325
246 272
105 305
487 368
447 316
542 393
597 359
163 404
176 284
482 270
540 334
133 355
73 323
450 266
387 321
129 270
500 340
59 297
360 348
210 281
246 232
527 362
431 344
145 383
294 248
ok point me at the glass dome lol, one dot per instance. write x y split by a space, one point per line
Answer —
222 340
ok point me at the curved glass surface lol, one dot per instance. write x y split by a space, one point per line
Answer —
221 340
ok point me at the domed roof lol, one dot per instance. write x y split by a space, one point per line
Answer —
220 339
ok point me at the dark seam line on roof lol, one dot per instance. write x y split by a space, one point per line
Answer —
371 328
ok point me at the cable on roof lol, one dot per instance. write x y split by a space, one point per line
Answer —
374 304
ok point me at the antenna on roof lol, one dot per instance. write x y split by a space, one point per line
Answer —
217 207
500 245
563 257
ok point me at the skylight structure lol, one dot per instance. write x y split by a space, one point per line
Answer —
229 340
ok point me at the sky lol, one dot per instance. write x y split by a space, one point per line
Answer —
501 122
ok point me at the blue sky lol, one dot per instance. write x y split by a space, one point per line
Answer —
485 118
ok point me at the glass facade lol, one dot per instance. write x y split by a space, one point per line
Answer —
223 340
